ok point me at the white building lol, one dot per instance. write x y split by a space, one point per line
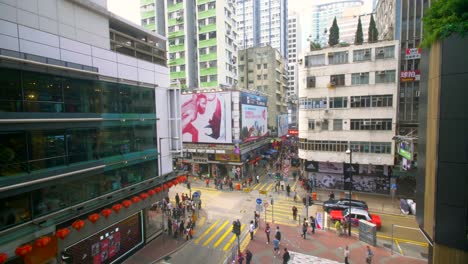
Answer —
294 49
347 100
262 22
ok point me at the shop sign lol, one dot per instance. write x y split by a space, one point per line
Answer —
293 132
210 151
410 76
200 160
227 157
414 53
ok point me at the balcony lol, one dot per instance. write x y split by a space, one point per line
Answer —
209 71
176 34
207 13
208 57
207 28
207 43
178 75
177 48
175 7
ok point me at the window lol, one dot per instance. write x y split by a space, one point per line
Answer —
338 57
314 60
312 103
311 82
372 101
311 124
317 145
259 77
337 124
371 124
385 76
337 80
203 78
360 101
265 76
324 124
259 66
362 55
265 66
338 102
385 52
360 78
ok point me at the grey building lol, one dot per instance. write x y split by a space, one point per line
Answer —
262 69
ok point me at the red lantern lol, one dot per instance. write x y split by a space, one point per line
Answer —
175 181
170 184
151 192
157 189
106 212
3 258
126 203
116 207
24 250
164 187
143 196
43 241
135 199
93 218
62 233
78 224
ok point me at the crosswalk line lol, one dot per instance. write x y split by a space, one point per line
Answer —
221 239
215 233
229 243
206 232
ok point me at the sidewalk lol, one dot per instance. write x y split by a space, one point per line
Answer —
326 246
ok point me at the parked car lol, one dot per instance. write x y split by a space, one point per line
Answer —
356 215
343 204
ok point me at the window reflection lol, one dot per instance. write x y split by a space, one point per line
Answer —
14 210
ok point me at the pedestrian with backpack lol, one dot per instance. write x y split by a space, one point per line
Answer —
286 256
248 256
278 234
267 232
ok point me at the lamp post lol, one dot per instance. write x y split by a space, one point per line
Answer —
350 186
160 169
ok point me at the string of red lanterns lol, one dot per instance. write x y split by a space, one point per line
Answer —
62 233
23 251
3 258
42 241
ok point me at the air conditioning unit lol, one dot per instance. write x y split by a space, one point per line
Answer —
331 85
318 123
378 122
228 32
179 19
326 111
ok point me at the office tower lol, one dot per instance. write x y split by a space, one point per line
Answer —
294 49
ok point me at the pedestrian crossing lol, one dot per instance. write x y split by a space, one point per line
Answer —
218 235
281 211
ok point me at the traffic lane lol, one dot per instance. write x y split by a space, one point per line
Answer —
399 232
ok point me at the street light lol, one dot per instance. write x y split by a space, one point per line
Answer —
160 168
350 186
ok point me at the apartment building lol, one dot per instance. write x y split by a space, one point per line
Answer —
85 132
294 49
347 101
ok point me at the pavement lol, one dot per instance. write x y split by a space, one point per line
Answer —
323 247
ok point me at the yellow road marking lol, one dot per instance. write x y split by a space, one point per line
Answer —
260 186
270 187
201 221
229 243
246 241
399 248
294 185
403 240
206 232
222 238
215 233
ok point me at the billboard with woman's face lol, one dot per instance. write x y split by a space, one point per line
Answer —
254 117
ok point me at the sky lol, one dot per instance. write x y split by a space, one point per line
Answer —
130 9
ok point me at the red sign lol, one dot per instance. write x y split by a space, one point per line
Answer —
414 53
410 76
293 131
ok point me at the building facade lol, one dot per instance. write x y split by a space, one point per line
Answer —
347 100
262 22
262 69
201 35
294 49
83 131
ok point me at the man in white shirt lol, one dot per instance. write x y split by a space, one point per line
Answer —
251 229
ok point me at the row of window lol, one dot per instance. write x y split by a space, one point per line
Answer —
359 78
23 91
30 205
27 151
356 124
209 78
343 56
207 6
342 146
385 100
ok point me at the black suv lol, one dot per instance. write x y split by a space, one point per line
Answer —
342 204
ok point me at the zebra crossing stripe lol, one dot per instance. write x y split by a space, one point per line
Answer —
229 243
206 232
215 233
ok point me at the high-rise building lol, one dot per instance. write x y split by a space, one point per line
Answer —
262 69
202 35
294 49
262 22
347 101
346 13
85 133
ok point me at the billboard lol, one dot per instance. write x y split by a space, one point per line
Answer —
206 117
410 76
254 116
413 53
282 125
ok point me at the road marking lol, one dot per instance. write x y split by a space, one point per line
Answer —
245 242
201 221
294 185
229 231
229 243
399 248
215 233
260 186
404 240
269 187
206 232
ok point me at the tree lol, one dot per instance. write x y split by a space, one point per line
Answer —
359 38
373 32
334 37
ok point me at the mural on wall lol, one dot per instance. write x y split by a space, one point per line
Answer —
206 117
254 117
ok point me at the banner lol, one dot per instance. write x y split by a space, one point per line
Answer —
319 220
206 117
414 53
254 122
410 76
282 125
227 157
330 167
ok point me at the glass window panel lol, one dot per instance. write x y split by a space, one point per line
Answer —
42 93
47 149
110 97
10 91
13 157
14 210
82 145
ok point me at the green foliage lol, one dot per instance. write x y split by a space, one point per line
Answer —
334 37
373 32
315 46
359 38
443 18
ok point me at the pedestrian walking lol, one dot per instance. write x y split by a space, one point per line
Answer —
338 228
177 199
294 212
240 257
295 195
346 255
288 189
257 219
169 226
312 224
207 181
304 230
278 233
267 232
258 179
286 256
332 195
248 256
369 255
251 229
276 250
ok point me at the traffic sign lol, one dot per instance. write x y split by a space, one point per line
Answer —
196 194
259 201
259 208
265 204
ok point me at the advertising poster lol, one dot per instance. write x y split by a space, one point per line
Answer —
329 180
206 117
282 125
254 117
330 167
311 166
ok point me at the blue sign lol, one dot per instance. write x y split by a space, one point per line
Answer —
393 186
196 194
259 201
